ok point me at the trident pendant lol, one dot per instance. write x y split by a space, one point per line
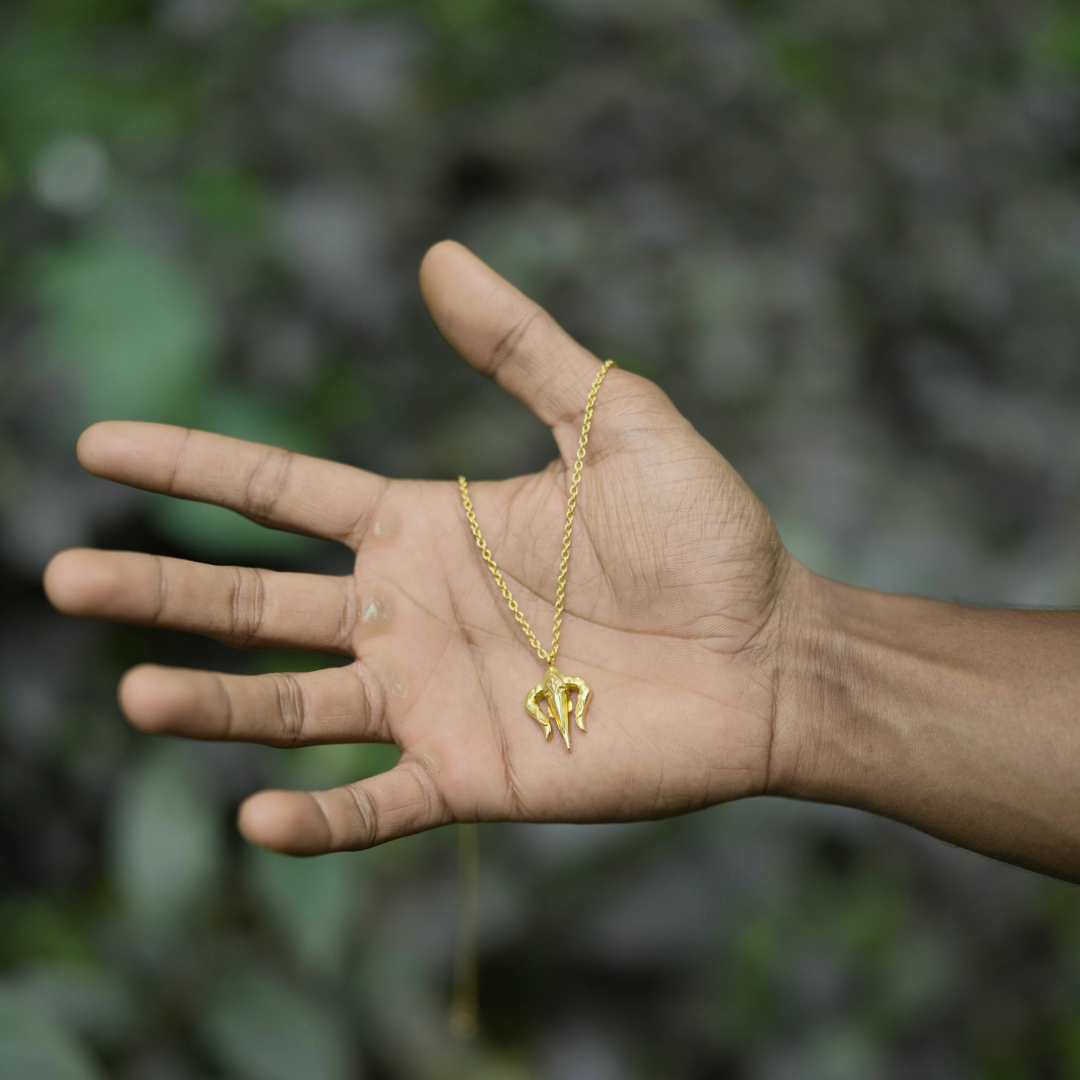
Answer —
554 692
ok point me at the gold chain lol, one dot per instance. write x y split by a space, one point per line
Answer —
548 656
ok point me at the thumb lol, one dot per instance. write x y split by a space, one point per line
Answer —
505 335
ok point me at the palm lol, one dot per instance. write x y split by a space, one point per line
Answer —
674 577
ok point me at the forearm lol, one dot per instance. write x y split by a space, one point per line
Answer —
963 722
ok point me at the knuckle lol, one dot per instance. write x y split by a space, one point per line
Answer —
367 815
248 609
509 343
430 807
354 534
372 700
173 481
292 707
347 615
225 708
266 483
163 586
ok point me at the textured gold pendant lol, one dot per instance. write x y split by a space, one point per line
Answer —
549 703
554 693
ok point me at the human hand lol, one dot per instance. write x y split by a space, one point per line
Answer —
673 608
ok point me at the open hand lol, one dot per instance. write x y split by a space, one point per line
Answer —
673 605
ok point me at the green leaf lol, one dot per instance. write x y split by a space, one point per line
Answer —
806 61
229 200
313 901
257 1027
1055 44
842 1052
166 840
34 1049
83 998
135 328
38 928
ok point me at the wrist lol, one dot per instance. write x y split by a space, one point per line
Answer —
808 686
856 670
960 721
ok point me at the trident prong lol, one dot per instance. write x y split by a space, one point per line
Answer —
532 703
583 695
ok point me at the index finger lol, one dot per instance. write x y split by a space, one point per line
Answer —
272 486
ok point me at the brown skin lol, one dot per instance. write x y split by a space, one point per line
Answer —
720 666
964 722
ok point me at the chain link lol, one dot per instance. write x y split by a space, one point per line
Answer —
548 656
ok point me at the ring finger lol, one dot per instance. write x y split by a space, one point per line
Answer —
343 704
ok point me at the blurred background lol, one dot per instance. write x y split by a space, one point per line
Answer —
844 235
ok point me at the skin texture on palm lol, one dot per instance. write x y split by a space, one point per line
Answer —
674 608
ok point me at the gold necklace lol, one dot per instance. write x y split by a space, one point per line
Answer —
554 692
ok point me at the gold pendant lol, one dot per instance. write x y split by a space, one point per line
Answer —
554 692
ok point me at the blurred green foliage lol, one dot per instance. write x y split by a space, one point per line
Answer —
34 1049
261 1028
166 843
136 331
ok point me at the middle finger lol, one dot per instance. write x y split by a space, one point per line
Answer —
238 605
